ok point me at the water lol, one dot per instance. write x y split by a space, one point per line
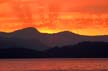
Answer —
54 64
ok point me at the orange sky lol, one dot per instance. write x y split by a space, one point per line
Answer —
85 17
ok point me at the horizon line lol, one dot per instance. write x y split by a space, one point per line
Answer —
49 33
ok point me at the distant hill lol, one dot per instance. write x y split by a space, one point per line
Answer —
22 43
68 38
56 39
26 38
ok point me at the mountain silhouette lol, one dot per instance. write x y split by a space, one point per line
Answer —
26 38
30 43
25 33
57 39
32 38
69 38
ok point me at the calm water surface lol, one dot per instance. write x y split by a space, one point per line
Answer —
54 64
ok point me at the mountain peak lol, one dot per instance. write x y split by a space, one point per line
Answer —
67 32
64 33
29 29
26 32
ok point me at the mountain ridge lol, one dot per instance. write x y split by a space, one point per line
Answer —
35 30
30 43
50 40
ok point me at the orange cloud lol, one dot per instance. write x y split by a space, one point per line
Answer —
86 17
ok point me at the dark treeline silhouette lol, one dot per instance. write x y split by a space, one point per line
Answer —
81 50
20 53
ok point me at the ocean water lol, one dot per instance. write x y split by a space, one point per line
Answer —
52 64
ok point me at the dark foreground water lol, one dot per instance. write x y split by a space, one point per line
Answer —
54 64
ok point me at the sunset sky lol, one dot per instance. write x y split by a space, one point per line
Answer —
85 17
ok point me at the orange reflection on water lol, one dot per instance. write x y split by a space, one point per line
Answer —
53 64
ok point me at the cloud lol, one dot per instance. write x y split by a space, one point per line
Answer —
44 14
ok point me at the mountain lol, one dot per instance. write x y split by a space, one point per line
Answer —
23 43
26 33
57 39
26 38
32 38
68 38
30 43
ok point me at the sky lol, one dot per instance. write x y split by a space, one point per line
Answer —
84 17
